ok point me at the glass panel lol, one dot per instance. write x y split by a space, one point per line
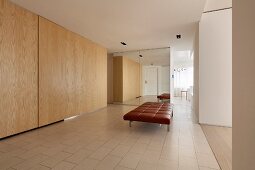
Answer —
141 76
155 75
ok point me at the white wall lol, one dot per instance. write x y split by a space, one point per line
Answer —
243 85
171 72
215 68
195 103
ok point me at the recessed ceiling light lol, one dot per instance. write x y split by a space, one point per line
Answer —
179 36
123 43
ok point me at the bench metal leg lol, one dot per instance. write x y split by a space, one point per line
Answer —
130 123
168 128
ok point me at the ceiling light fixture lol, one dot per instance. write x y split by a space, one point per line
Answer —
123 43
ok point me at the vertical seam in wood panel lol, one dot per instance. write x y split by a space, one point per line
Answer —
38 80
122 78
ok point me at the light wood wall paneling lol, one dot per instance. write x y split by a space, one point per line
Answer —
72 74
110 78
126 79
118 79
131 79
18 69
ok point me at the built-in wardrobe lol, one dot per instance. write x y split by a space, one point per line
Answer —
47 73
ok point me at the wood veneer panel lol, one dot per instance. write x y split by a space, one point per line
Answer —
118 79
126 79
18 69
72 74
131 79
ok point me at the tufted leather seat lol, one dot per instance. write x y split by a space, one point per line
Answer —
151 112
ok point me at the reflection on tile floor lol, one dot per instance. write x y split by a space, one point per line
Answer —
103 141
140 100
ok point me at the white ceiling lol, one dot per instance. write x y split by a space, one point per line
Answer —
142 24
217 4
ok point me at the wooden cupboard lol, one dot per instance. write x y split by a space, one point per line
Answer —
72 74
47 73
18 69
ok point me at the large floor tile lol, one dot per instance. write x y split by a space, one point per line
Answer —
103 140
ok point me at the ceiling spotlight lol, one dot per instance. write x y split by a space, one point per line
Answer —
178 36
140 55
123 43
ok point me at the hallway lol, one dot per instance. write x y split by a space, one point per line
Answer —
102 140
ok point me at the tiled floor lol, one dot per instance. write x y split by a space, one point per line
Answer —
102 141
141 100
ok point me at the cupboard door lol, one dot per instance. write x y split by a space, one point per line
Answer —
18 69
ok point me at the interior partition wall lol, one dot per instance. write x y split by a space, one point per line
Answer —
18 69
72 74
47 73
215 68
126 79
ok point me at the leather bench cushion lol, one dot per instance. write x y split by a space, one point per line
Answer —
151 112
164 96
162 118
133 115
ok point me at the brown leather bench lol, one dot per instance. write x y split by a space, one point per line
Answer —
164 96
151 112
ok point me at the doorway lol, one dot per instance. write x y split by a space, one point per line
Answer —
183 75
